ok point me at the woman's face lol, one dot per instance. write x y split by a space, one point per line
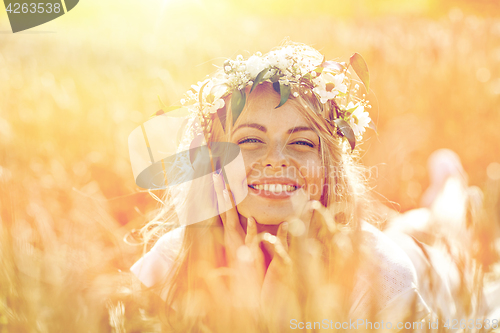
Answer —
281 155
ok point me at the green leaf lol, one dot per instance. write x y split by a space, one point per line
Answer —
171 108
346 131
359 65
351 110
275 77
319 69
166 109
162 105
157 113
259 79
285 90
372 125
307 76
276 86
201 93
237 103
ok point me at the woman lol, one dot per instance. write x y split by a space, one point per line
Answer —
287 246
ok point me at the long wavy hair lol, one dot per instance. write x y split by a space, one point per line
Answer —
190 300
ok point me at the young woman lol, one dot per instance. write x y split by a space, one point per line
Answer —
288 246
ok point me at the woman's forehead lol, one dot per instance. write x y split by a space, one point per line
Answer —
261 112
265 119
264 108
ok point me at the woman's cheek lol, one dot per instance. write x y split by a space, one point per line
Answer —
250 158
313 173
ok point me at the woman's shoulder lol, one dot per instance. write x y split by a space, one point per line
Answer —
155 265
387 278
169 244
387 254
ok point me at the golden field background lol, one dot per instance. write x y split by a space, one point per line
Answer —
73 89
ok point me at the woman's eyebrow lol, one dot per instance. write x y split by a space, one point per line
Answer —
264 129
299 128
253 125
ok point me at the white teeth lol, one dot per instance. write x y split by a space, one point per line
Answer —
276 188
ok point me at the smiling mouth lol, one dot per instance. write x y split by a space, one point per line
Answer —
274 188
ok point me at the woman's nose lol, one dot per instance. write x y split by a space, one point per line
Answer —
275 157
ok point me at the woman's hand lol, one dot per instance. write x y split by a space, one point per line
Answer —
242 250
281 290
234 235
277 292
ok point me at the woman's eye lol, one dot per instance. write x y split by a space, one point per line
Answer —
304 143
249 140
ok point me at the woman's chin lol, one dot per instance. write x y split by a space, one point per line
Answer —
269 218
266 213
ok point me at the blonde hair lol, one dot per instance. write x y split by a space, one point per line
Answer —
344 195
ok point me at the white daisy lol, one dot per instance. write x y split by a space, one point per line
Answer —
329 85
359 119
255 65
216 105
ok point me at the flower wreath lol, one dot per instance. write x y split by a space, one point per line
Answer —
293 70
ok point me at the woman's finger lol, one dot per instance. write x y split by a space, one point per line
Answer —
326 216
232 218
274 245
219 187
253 242
282 234
251 236
229 214
234 235
297 234
281 245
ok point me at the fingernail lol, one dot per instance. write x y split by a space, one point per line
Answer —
269 238
316 205
225 193
284 226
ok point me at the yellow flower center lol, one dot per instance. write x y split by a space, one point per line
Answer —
210 98
355 119
330 86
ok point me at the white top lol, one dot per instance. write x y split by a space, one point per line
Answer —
397 279
153 268
389 278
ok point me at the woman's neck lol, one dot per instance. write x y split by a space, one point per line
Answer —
270 228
